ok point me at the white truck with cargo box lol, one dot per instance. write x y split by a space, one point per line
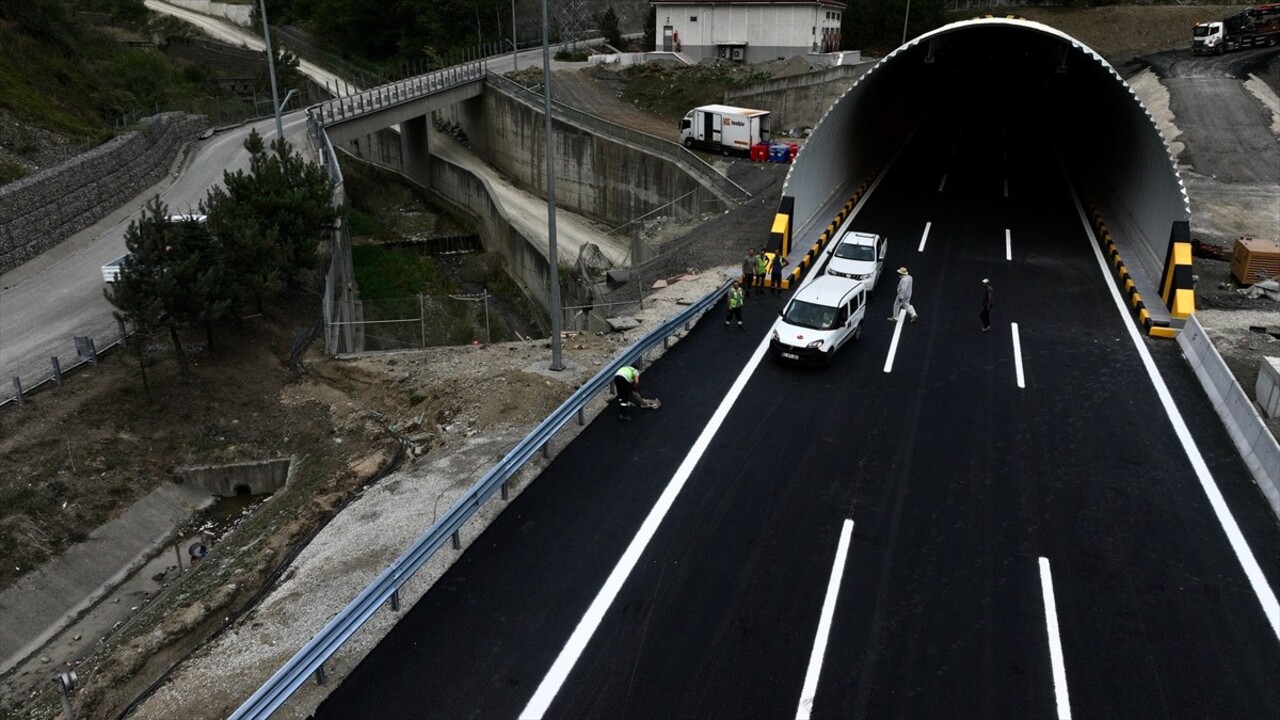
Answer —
820 318
724 129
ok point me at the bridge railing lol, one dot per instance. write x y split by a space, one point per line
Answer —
311 658
384 96
677 152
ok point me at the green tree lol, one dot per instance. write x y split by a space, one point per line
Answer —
609 28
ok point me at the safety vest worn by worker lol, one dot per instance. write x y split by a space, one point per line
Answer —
762 263
629 374
735 298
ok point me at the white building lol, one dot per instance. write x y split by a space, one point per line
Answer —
746 30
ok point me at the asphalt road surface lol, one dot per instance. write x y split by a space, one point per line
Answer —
942 523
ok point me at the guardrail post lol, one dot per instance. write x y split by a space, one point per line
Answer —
395 601
57 370
581 420
665 343
504 491
457 541
120 327
320 674
546 452
17 388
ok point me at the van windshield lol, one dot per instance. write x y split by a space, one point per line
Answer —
850 251
805 314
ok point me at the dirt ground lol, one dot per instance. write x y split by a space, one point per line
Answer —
78 455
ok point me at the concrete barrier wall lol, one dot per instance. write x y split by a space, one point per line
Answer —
237 14
41 210
606 181
1257 446
797 101
261 477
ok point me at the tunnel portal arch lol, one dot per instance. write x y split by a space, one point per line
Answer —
1027 70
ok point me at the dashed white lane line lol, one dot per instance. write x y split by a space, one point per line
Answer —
1006 187
893 345
810 689
1017 356
1008 245
577 642
1055 642
925 237
943 183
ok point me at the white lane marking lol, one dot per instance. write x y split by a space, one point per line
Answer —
577 642
1006 187
893 345
1055 642
924 237
953 149
943 183
1266 596
1017 356
1008 245
810 689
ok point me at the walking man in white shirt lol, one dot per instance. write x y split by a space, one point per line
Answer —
903 299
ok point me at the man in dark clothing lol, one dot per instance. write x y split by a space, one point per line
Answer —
988 300
626 384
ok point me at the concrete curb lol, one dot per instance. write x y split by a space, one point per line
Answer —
1258 448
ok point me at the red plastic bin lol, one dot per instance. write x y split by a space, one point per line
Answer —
760 152
795 148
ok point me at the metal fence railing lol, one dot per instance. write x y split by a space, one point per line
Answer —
675 151
311 658
351 106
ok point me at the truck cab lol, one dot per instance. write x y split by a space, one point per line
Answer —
1207 38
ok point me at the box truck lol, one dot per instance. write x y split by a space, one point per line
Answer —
1257 26
724 129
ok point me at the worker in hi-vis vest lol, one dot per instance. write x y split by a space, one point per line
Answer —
626 385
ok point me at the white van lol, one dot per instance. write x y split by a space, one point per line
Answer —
859 256
111 271
820 318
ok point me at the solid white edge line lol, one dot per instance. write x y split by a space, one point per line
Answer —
1266 596
924 237
1006 187
1017 356
943 183
1055 642
893 344
810 689
1008 245
577 642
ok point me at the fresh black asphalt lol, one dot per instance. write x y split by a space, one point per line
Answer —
957 482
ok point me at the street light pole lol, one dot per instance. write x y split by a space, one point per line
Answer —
905 17
515 46
271 68
554 299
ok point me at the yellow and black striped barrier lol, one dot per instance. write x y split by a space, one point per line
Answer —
1153 327
1177 286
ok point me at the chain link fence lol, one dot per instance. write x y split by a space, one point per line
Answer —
422 321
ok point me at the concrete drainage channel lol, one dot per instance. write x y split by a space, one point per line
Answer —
218 498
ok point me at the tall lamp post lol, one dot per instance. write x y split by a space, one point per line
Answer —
271 68
515 47
905 17
554 300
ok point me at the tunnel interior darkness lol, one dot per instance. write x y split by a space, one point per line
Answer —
1001 71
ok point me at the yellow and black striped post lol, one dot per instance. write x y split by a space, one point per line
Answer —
1177 287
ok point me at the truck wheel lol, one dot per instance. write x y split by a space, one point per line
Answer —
688 143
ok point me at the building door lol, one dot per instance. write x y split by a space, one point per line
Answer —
667 43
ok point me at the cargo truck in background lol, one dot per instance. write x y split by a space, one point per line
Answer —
724 129
1257 26
111 271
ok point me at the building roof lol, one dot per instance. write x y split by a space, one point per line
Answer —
829 3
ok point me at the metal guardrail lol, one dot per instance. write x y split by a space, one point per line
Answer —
352 106
311 658
677 152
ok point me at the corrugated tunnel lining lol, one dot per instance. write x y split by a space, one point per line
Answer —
1115 151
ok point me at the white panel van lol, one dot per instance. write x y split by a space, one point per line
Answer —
821 317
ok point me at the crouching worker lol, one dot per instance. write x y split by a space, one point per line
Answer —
626 385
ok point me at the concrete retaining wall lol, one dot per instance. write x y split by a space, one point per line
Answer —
41 210
1257 446
590 168
237 14
797 101
261 477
